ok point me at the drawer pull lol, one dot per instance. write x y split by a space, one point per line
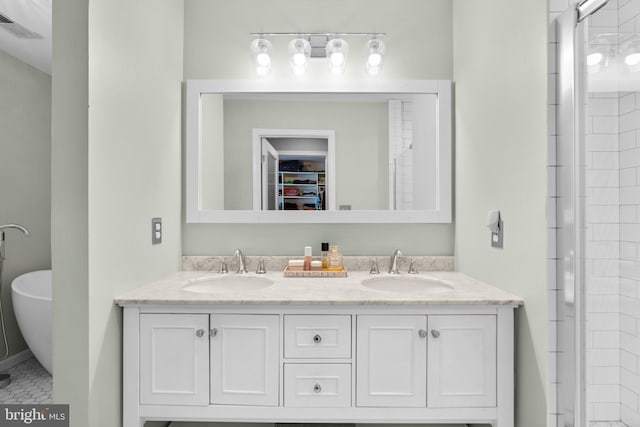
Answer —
422 333
435 333
317 339
213 332
200 333
317 388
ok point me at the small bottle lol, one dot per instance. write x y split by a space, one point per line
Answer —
307 258
334 260
325 255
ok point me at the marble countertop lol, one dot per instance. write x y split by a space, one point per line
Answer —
458 289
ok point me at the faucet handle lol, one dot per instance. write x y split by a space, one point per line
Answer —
412 267
223 267
374 267
261 268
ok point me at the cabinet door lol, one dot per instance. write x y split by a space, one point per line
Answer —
462 361
391 361
244 359
174 359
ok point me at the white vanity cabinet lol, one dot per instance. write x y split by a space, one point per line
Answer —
245 359
318 363
174 359
462 357
392 361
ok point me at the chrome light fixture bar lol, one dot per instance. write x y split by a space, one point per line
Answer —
331 46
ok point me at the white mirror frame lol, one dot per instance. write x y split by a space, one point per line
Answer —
442 164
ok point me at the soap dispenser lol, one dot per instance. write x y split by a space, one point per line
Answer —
334 260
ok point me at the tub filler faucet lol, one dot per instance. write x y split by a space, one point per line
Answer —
2 241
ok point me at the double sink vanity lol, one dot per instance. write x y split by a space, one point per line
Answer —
431 347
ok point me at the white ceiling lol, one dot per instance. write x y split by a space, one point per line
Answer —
35 16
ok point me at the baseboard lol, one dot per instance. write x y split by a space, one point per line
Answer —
17 358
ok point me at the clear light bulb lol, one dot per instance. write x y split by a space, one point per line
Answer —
594 58
632 59
375 59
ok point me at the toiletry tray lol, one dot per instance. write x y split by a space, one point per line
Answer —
322 273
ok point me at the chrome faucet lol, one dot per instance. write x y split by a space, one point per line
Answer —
6 226
242 268
393 268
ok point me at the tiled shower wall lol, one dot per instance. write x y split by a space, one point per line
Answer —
612 157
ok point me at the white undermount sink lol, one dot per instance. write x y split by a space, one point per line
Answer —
227 284
406 284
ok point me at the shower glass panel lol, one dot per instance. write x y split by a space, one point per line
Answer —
606 200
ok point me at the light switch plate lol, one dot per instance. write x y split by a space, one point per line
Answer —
156 231
497 237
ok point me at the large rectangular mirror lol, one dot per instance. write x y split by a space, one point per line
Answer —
303 152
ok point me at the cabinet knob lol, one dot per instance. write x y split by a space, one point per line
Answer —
200 333
317 388
435 333
213 332
422 333
317 339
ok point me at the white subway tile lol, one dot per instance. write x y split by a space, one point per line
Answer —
606 267
605 196
628 10
628 177
628 361
606 375
603 410
551 180
627 142
607 125
604 160
602 178
551 150
630 380
630 158
605 393
603 285
630 306
628 289
629 399
608 232
599 214
628 251
629 121
558 5
630 418
631 344
628 214
603 304
601 142
606 339
628 325
602 107
630 195
627 103
630 269
603 250
604 322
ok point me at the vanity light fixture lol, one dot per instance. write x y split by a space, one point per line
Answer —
261 51
299 52
306 46
375 50
337 51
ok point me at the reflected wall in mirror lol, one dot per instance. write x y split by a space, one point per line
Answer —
302 152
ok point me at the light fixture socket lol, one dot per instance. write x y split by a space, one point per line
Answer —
299 54
631 55
337 52
375 51
261 52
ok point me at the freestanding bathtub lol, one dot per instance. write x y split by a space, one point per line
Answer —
31 294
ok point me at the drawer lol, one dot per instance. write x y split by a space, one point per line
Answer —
317 385
317 336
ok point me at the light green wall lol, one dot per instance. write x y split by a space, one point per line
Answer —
25 195
361 131
501 151
419 46
116 165
69 208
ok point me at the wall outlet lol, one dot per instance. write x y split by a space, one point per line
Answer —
156 231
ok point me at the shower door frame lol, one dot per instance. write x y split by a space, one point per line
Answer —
570 213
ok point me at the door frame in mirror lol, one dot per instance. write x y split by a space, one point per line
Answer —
442 164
